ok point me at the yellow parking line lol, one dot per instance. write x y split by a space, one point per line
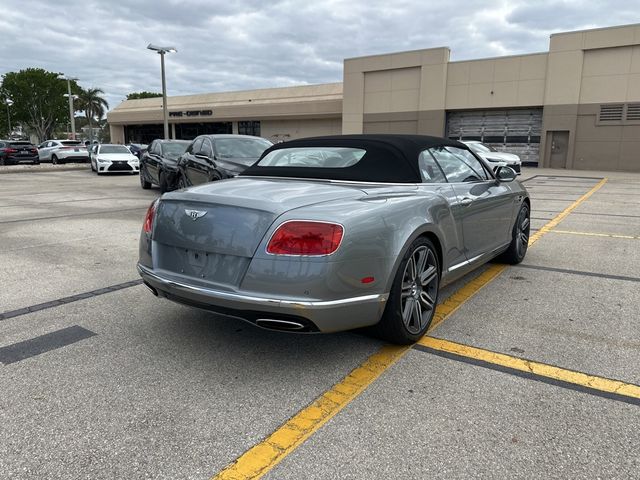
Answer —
592 234
257 461
594 382
561 216
262 457
452 303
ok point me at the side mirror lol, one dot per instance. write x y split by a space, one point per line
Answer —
505 174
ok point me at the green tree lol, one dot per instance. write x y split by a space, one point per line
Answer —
93 105
145 94
38 99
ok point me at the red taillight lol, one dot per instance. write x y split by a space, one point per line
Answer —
10 150
306 238
147 226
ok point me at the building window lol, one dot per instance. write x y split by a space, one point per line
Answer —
251 127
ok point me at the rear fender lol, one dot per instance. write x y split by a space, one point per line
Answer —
419 229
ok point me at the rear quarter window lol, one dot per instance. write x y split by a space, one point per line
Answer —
319 157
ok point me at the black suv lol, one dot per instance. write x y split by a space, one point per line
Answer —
13 152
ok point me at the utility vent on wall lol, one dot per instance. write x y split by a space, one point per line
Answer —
633 112
611 112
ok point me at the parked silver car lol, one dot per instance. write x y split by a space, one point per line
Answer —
334 233
62 151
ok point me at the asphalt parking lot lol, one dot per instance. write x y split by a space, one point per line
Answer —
99 379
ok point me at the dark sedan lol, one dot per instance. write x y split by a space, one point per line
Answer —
159 164
137 149
214 157
13 152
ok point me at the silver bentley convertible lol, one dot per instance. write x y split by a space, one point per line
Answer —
334 233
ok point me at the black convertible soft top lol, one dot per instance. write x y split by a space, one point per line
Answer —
389 158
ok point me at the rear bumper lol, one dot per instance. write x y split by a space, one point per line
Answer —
314 316
22 158
72 155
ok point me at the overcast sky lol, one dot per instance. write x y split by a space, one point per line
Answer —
236 45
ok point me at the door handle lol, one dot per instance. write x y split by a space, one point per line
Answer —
466 201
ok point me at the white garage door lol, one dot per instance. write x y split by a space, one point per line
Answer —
514 131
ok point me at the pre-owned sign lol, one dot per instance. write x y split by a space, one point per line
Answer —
192 113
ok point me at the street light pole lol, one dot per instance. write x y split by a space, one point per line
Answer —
71 115
165 116
164 98
9 102
72 118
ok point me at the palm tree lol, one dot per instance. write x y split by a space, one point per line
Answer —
93 105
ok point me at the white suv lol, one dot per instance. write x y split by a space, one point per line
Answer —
494 157
61 151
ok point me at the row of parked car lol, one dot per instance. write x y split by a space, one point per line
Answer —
13 152
173 164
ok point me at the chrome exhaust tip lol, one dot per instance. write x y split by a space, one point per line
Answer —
273 324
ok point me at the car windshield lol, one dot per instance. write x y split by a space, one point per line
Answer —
174 149
114 149
241 147
70 142
320 157
19 144
481 148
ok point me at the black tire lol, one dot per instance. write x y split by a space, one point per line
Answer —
2 161
215 176
162 179
36 162
143 181
417 298
55 160
181 183
519 238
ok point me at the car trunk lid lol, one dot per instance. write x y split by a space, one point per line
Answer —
211 232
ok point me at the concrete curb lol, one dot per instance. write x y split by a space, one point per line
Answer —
44 169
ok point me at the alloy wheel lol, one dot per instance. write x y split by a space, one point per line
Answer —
522 232
419 289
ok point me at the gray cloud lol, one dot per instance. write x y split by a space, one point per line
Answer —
232 45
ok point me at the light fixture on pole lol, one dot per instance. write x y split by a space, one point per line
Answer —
162 51
9 102
72 118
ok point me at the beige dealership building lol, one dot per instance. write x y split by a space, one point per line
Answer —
575 106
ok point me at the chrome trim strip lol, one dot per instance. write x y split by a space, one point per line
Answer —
265 301
476 258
